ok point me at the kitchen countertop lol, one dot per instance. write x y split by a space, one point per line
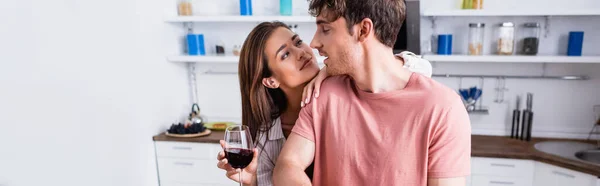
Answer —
481 146
505 147
214 137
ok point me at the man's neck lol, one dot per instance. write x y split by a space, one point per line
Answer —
381 71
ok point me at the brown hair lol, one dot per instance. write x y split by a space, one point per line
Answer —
387 15
260 105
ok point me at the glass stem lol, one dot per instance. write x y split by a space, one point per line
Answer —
241 177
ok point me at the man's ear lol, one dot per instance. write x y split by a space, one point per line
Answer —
364 28
270 82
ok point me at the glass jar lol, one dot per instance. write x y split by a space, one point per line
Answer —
531 38
184 7
506 38
476 33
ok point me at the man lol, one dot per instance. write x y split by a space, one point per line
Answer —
377 123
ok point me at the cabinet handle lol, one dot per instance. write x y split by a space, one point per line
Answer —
563 174
502 165
182 148
184 163
502 182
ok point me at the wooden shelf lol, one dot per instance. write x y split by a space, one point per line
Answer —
213 59
484 12
183 19
512 59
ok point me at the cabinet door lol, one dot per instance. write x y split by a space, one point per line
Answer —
549 175
500 181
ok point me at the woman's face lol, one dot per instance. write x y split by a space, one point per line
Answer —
292 61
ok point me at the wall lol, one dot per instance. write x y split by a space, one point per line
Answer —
562 108
83 87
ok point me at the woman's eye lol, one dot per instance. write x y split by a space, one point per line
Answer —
325 30
299 42
285 55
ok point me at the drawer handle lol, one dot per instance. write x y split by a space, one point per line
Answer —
502 165
502 182
184 163
182 148
563 174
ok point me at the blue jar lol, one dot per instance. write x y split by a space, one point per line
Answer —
246 7
285 7
575 44
195 44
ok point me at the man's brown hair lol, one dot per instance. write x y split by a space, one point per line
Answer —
387 15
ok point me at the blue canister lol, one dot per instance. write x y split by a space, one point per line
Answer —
285 7
195 44
444 44
575 44
245 7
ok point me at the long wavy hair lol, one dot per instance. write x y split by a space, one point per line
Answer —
260 105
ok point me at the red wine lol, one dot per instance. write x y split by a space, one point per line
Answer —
239 158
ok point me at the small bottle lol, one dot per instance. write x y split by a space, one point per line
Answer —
220 48
476 34
237 49
184 8
531 39
506 38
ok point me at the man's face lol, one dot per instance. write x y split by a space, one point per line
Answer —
333 41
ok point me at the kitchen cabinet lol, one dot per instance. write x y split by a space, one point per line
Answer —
550 175
501 171
189 164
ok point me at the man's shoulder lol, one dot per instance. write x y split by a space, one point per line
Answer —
336 84
436 93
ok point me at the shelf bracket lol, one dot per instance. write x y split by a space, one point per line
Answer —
192 80
432 39
546 26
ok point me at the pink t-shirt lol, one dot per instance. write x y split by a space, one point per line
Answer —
399 138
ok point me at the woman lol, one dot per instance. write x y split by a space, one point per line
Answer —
277 73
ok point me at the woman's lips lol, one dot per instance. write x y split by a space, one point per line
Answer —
306 63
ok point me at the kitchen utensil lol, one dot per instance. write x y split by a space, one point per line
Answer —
218 125
206 132
470 97
527 119
514 131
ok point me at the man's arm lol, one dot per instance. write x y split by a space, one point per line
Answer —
296 155
458 181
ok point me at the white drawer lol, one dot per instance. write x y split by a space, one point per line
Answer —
550 174
502 167
174 170
207 151
196 184
500 181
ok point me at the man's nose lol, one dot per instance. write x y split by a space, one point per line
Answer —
315 43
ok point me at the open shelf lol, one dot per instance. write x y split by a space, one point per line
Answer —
213 59
484 12
512 59
297 19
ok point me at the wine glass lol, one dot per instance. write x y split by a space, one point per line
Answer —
238 147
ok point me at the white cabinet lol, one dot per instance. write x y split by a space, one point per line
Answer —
499 180
550 175
189 164
500 171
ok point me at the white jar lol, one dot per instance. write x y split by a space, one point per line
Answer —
506 38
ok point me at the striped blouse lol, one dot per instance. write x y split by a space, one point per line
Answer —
268 149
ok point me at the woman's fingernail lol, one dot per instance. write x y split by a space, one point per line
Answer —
301 104
307 100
